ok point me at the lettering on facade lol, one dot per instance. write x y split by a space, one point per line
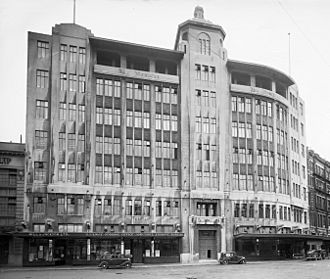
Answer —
5 160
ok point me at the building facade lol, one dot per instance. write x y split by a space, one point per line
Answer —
319 200
166 155
12 159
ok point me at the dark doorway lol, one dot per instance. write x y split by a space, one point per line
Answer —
137 252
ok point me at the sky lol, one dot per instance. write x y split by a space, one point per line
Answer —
256 31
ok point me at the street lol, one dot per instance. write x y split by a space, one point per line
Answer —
267 269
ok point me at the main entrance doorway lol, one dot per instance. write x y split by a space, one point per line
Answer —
207 245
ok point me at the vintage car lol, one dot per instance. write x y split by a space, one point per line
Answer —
314 255
231 258
115 261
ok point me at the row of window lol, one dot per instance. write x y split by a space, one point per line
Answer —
107 145
205 72
205 125
75 54
108 87
244 182
71 141
69 112
206 179
76 83
206 98
206 152
241 130
71 172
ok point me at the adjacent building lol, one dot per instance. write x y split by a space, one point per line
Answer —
319 200
12 160
166 155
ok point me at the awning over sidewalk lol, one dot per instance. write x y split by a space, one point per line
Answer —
281 236
65 235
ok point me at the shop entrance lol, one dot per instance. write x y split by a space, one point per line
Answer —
137 248
207 245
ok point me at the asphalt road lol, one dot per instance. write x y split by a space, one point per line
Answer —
294 269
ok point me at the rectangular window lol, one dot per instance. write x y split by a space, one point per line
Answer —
63 52
63 81
82 55
62 111
72 112
40 171
71 141
198 71
62 141
248 105
72 82
137 207
241 129
205 72
41 139
234 129
234 103
71 172
146 92
39 204
249 130
43 49
73 54
241 104
251 211
81 143
60 206
42 79
41 109
212 74
81 113
82 84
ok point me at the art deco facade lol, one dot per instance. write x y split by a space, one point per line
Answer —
167 155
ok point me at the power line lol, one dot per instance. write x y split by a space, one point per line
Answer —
324 60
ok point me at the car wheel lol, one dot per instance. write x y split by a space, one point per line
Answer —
104 266
225 261
128 265
243 261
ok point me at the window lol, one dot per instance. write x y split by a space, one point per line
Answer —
205 72
63 81
261 211
43 49
40 171
81 113
72 112
41 109
81 143
39 204
73 54
249 130
137 207
212 74
62 111
204 46
198 124
71 141
72 82
158 208
61 172
251 211
198 71
241 129
63 52
42 79
60 205
241 104
82 55
233 103
82 84
234 129
248 105
71 172
213 99
41 139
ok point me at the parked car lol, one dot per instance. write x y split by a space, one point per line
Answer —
314 255
231 258
118 261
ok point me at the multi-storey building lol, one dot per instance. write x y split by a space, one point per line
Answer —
319 200
11 201
167 155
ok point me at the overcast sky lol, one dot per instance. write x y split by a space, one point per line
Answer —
257 31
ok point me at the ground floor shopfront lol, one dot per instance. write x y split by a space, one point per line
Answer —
278 246
87 248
